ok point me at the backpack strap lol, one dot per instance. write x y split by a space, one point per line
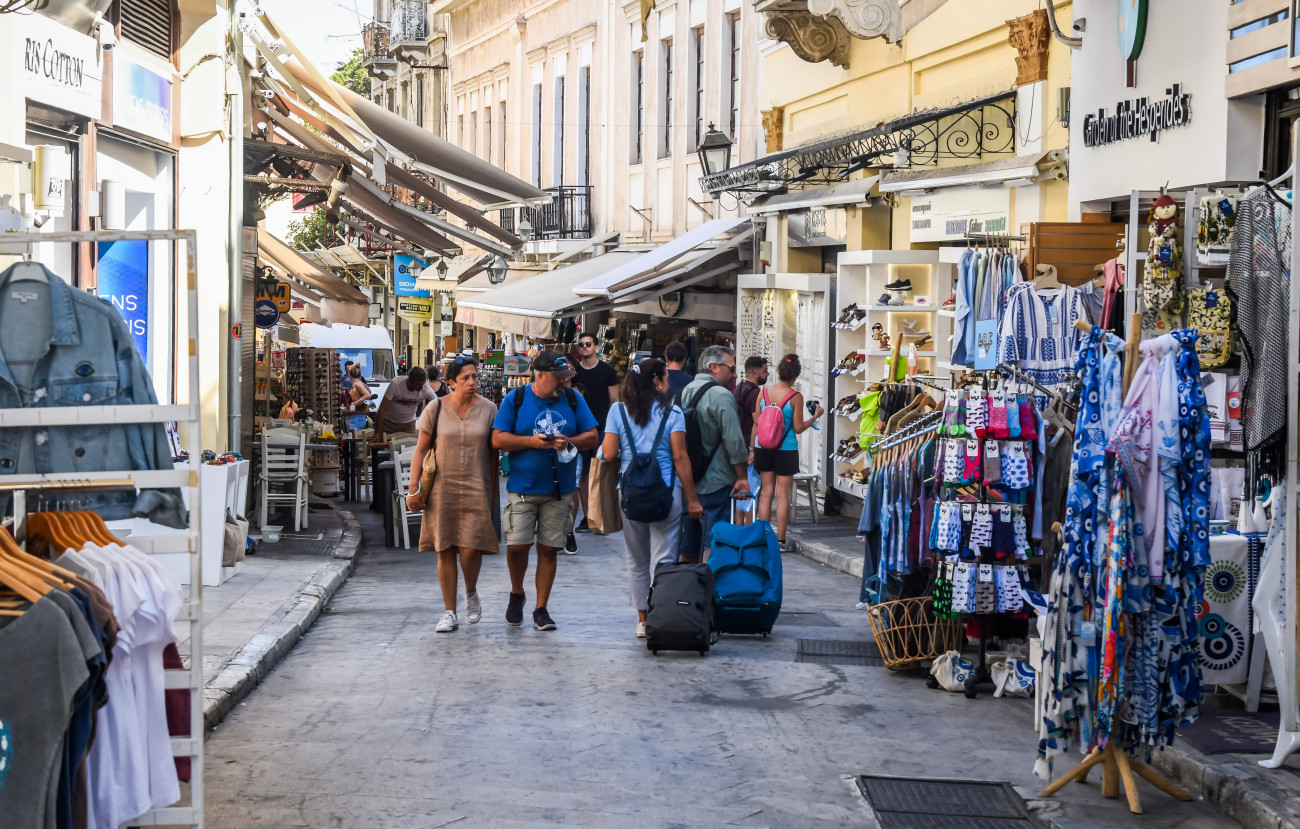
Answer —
627 427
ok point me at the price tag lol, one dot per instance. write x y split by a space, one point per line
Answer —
1087 630
982 509
953 396
967 511
986 572
991 449
1004 512
1211 299
1166 254
976 394
1053 315
972 448
949 569
1226 208
999 399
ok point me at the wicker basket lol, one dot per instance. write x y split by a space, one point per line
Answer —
907 633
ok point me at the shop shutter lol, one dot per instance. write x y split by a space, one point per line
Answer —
148 24
1075 248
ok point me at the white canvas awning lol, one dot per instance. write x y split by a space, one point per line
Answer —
850 192
340 302
547 296
685 253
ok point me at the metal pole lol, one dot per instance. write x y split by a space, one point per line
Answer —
234 357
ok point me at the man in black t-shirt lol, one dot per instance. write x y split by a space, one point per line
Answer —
598 383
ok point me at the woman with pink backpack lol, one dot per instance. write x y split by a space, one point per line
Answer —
778 421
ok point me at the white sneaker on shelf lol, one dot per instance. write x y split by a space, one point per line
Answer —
640 630
447 623
473 608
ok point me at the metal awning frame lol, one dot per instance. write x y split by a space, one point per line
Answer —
971 130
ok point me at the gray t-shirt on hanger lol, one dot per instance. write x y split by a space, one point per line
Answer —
43 663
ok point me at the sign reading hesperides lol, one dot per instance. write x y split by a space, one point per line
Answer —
1138 118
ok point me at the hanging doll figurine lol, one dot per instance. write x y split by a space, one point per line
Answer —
1162 279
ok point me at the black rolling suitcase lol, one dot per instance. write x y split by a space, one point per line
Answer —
680 617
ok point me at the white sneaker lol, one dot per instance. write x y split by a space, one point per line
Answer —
640 630
448 622
473 608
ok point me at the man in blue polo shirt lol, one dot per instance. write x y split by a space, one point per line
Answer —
543 426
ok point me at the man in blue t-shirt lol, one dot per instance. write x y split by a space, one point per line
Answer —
543 426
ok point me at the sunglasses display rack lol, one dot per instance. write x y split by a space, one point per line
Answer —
312 379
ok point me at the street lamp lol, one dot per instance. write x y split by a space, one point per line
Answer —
442 268
525 226
715 152
497 271
415 268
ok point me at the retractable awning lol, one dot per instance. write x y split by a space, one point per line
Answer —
479 283
684 254
340 302
458 268
850 192
547 296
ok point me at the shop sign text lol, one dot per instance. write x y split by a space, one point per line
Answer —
1138 118
142 99
57 66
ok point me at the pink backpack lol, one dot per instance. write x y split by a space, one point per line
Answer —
770 432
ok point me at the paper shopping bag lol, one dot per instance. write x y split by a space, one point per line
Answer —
604 514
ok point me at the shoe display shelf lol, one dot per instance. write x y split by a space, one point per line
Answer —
861 278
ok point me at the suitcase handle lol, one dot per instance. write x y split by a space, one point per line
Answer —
735 499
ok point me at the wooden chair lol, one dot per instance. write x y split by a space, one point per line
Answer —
402 457
284 467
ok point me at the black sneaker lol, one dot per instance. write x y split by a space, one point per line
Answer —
515 609
542 620
571 545
582 527
899 285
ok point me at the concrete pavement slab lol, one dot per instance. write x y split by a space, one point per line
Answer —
375 720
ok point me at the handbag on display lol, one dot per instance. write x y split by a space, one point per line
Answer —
235 540
1210 312
429 469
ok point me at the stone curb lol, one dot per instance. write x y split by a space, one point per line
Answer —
260 654
825 554
1237 790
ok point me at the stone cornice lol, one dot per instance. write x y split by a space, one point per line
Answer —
812 38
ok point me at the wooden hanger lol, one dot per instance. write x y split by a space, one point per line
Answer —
1047 278
49 529
98 531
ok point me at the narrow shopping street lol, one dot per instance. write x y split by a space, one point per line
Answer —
376 721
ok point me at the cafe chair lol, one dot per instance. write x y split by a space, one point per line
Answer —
283 476
402 517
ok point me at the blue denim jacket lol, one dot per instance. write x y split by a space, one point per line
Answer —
90 360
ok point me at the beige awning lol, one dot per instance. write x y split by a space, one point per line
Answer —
458 268
340 302
669 259
547 296
464 171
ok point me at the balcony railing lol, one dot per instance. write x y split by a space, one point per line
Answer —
374 40
567 216
410 22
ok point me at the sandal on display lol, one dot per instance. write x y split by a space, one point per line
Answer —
950 302
877 331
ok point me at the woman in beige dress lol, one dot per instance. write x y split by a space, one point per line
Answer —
460 512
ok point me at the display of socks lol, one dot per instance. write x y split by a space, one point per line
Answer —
977 415
1013 417
997 428
992 462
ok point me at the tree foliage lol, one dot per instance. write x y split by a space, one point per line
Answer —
353 75
311 232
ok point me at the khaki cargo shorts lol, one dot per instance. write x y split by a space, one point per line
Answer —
538 518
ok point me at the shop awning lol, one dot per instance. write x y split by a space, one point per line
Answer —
548 295
850 192
458 268
1011 172
479 283
685 253
340 302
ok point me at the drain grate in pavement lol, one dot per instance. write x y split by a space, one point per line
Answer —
810 619
838 652
902 803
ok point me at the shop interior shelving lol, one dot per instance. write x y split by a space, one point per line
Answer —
861 279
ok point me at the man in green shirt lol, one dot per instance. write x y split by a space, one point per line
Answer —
709 394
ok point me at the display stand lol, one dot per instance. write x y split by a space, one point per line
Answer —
1117 766
186 543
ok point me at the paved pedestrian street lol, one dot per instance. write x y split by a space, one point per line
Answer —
376 721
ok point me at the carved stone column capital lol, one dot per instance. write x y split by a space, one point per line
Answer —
774 128
1030 35
864 18
812 38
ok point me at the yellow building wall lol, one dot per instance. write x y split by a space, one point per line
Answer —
959 53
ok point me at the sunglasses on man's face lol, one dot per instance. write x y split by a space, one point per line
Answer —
586 345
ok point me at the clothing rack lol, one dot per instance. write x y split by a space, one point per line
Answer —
188 543
1016 374
925 425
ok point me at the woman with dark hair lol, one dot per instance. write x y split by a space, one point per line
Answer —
777 467
635 421
460 510
436 384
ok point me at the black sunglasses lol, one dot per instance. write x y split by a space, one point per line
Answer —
586 345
